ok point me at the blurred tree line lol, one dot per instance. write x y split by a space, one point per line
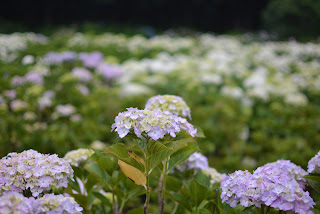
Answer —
298 18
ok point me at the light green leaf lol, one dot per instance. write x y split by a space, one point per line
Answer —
120 151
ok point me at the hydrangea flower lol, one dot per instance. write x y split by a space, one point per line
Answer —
196 161
46 99
54 58
33 170
34 77
109 72
314 164
63 111
56 204
156 124
17 105
279 185
174 104
13 202
91 60
82 74
78 156
215 176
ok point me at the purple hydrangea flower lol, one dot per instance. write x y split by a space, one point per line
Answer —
45 100
109 72
196 161
155 124
13 202
174 104
34 77
17 80
82 74
31 169
279 185
91 60
314 164
54 58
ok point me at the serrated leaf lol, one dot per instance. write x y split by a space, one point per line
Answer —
120 151
157 153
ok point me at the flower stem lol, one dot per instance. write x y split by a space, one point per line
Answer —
114 204
162 184
262 209
146 203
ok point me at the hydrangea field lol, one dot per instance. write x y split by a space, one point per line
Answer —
201 124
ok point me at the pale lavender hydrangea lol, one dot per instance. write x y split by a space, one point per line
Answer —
46 99
34 77
196 161
82 74
56 204
109 72
279 185
155 124
13 202
54 58
91 60
314 164
11 94
17 80
33 170
172 103
17 105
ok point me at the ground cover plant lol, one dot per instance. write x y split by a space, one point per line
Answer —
169 124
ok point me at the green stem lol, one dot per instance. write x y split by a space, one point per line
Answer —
114 204
175 208
122 205
262 209
146 203
163 185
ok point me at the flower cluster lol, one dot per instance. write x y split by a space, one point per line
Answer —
82 74
215 176
196 161
56 204
279 185
54 58
33 170
109 72
13 202
314 164
156 124
78 156
174 104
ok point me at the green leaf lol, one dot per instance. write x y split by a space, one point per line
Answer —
94 168
181 155
313 181
173 183
202 179
120 151
200 132
104 199
197 192
157 153
182 201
